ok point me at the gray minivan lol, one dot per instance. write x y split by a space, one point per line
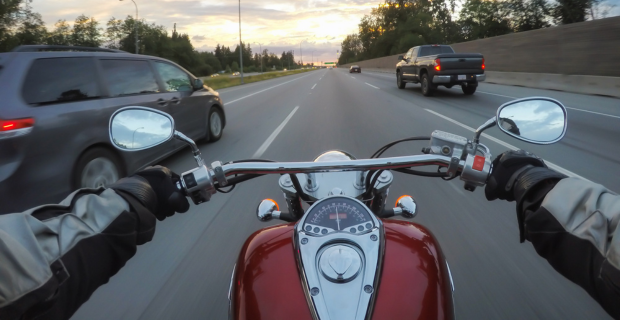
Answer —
55 108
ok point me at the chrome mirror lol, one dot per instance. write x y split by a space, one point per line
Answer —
535 120
139 128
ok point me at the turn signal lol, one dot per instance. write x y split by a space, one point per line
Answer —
482 63
438 65
9 125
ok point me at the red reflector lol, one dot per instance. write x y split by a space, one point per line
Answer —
8 125
478 163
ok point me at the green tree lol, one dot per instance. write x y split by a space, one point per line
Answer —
86 32
32 29
61 34
228 70
483 19
114 33
529 14
9 17
351 47
571 11
234 67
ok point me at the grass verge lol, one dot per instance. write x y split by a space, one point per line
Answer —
225 81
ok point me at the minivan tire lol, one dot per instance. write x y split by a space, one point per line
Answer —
97 167
215 124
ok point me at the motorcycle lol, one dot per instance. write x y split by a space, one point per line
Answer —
337 255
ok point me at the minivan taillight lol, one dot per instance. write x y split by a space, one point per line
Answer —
437 64
482 63
10 125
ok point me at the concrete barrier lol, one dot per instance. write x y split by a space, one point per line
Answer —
580 57
599 85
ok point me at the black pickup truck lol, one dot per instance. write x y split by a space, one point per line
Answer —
435 65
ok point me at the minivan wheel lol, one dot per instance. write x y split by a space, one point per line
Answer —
215 124
97 168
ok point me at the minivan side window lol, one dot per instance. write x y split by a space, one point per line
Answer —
174 78
128 77
58 80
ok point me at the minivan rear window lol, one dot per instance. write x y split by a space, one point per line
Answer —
57 80
431 50
128 77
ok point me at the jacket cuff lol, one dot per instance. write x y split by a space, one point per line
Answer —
530 189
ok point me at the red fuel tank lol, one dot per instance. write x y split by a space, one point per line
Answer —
414 280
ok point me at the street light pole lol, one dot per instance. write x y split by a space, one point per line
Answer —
240 43
135 25
134 136
301 53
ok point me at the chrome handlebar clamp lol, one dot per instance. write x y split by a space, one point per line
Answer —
475 171
218 172
198 184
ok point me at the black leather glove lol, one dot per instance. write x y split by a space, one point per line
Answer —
507 167
155 187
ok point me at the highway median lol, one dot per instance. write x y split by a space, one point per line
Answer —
225 81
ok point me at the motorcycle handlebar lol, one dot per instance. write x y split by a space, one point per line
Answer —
348 165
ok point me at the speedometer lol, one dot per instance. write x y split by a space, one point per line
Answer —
338 214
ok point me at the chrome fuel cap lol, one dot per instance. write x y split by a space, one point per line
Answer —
340 263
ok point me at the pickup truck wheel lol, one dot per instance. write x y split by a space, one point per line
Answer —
468 90
427 87
399 81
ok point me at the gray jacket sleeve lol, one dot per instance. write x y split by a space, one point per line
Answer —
574 225
53 257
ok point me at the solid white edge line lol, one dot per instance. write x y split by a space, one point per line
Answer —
273 136
313 86
257 92
599 113
509 146
371 85
499 95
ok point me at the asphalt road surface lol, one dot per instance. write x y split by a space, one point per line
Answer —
184 272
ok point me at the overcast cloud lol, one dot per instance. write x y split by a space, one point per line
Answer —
279 25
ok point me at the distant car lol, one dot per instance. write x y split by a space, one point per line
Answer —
236 73
215 75
284 69
355 69
55 113
221 71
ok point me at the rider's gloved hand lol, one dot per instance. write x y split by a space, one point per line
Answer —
508 168
155 187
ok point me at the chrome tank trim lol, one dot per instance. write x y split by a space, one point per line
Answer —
230 297
359 290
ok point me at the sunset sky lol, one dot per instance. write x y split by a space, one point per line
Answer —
279 25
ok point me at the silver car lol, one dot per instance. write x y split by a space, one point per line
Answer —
55 109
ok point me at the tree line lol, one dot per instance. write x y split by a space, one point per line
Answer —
19 25
397 25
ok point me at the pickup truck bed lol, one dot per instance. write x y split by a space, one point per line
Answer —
443 68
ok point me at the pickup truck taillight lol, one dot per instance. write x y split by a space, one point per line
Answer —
437 64
482 63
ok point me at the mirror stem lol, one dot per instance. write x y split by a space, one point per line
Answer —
192 145
489 124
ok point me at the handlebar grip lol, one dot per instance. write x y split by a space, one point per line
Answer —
386 213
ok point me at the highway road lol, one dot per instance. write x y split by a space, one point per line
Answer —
184 272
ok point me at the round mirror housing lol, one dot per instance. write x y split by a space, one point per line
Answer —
140 128
536 120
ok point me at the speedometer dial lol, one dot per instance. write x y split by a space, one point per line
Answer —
338 214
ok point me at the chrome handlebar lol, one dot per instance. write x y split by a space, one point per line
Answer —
349 165
199 183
